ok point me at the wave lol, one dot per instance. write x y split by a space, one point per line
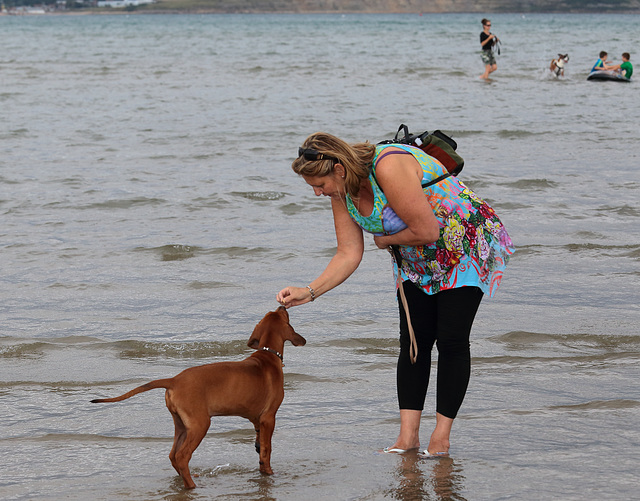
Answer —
593 405
172 252
25 350
622 210
82 437
531 184
197 285
212 202
517 134
128 349
292 209
199 350
259 195
365 346
509 206
572 359
525 348
599 405
15 134
177 252
126 203
524 338
631 251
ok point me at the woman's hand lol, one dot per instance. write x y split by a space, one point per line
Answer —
381 241
293 296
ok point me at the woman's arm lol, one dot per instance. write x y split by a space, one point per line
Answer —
345 261
400 178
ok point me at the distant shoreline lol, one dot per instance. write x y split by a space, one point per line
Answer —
200 11
480 8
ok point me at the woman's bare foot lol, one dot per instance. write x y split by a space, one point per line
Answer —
438 446
409 437
439 441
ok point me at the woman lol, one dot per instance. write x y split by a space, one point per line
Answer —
487 41
449 249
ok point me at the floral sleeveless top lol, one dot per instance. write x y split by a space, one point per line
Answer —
473 248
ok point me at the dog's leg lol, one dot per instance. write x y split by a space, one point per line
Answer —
267 425
256 426
178 439
194 434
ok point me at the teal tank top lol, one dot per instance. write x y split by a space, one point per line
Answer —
473 248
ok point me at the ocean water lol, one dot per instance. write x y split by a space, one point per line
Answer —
149 216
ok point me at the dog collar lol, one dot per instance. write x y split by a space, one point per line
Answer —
277 354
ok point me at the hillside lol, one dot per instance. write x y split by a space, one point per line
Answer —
395 6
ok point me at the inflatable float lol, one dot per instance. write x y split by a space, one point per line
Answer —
607 75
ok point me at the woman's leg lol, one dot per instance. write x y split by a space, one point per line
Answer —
413 379
456 311
445 318
486 59
490 64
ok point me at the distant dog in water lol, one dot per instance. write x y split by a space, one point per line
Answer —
252 388
557 65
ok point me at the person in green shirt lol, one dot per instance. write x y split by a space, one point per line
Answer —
625 68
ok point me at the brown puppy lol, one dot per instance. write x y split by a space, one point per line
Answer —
252 388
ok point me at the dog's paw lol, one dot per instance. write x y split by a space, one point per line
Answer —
265 468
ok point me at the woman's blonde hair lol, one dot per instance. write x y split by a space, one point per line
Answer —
356 159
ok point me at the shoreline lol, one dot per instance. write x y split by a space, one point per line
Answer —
182 11
324 7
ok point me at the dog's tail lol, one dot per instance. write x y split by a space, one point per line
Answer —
158 383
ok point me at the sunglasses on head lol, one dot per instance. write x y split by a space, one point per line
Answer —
312 155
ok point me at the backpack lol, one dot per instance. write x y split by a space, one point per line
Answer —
437 145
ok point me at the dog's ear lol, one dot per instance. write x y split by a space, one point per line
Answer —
254 340
296 339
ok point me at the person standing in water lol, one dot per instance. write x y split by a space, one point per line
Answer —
487 41
449 249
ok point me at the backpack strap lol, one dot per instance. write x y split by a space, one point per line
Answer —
413 346
437 180
405 152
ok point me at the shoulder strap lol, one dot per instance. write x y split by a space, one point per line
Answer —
393 152
405 152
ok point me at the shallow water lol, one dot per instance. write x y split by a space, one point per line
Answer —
149 216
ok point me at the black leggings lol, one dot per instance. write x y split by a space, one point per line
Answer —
444 318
